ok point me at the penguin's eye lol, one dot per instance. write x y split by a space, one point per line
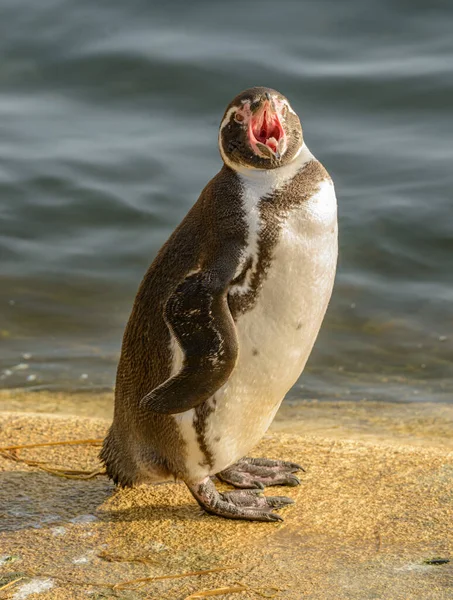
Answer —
238 117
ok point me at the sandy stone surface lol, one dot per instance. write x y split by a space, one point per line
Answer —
373 518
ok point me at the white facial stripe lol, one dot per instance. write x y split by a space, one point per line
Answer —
290 108
279 103
225 122
227 118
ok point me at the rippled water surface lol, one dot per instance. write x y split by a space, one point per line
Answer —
108 122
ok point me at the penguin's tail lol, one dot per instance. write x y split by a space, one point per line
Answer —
127 468
118 464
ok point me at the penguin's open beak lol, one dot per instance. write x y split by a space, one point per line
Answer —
266 134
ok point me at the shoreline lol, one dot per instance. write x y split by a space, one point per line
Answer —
409 423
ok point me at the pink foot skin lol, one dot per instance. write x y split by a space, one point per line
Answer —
249 505
249 473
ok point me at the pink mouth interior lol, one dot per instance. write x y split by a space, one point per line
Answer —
266 129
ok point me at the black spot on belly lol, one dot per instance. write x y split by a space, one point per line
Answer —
299 326
255 352
202 413
217 438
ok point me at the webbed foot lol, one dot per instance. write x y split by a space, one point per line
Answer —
249 505
249 473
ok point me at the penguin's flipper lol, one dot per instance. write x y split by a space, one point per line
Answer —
200 319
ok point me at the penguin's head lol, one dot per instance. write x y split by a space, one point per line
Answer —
259 130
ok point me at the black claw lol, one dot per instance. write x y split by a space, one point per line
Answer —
275 517
296 467
293 481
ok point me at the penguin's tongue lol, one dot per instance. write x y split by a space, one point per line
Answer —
266 129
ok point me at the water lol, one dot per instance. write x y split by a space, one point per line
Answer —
108 122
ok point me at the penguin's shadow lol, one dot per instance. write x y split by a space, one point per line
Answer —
151 509
35 500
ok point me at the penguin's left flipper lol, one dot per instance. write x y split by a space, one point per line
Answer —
200 319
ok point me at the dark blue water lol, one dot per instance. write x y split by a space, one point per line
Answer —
108 123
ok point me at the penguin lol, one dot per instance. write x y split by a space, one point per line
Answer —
226 318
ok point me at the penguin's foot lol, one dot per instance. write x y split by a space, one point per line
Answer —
249 505
260 472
